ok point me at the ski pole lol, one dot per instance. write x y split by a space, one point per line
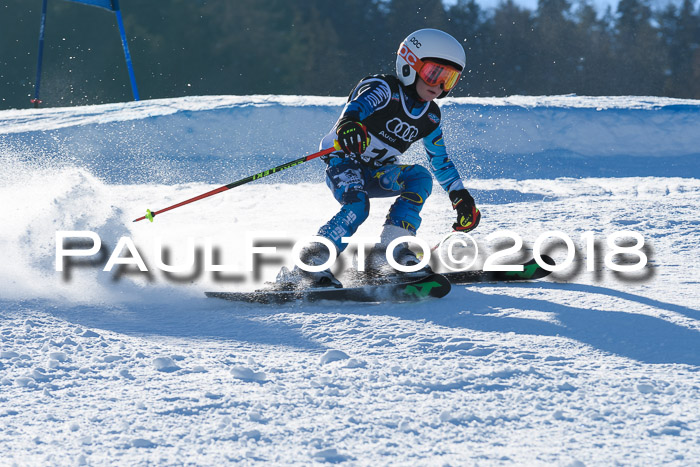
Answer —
151 214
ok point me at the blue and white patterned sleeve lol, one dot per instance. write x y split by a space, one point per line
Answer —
370 95
442 167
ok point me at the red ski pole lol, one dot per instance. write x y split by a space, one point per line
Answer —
151 214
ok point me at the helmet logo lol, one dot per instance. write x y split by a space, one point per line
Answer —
406 54
403 130
416 42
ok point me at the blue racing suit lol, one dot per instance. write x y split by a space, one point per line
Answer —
395 119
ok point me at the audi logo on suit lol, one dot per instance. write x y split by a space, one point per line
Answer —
401 129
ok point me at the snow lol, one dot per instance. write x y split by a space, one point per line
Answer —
587 367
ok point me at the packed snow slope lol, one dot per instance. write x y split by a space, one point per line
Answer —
588 367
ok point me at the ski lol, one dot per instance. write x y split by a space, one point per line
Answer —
531 271
433 285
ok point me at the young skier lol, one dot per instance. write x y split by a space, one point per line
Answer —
383 117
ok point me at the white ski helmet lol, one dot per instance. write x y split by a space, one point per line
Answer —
428 43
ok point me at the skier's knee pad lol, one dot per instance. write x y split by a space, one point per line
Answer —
418 183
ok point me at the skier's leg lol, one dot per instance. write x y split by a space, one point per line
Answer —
416 184
346 179
413 184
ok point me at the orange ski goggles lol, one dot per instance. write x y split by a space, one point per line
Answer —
430 72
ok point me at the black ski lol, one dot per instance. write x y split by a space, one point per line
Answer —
531 271
433 285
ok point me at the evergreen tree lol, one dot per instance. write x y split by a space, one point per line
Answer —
467 22
320 47
639 52
405 16
681 31
594 56
555 50
360 27
312 57
511 39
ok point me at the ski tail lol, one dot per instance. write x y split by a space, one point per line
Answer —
431 286
531 270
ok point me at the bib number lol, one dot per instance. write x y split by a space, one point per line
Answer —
379 153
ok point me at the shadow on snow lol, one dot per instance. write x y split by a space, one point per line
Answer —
191 318
617 330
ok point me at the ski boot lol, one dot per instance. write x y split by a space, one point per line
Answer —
313 255
377 265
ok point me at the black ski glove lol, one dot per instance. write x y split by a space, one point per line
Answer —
352 137
468 216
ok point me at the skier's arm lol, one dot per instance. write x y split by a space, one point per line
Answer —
370 95
445 172
440 164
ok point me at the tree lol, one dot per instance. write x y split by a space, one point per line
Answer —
405 16
321 47
640 61
555 49
467 22
681 31
511 48
594 56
